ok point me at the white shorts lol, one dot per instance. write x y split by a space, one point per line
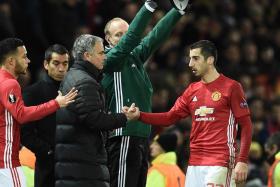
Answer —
209 176
12 177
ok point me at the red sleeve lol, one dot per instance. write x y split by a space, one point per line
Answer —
246 138
11 99
178 111
238 102
158 119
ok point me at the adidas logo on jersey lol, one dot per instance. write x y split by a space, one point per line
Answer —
194 99
133 66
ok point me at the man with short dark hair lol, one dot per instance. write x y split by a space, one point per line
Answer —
13 112
39 136
216 105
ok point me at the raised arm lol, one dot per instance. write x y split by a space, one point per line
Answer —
129 41
158 35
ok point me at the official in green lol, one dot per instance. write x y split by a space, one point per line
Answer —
125 82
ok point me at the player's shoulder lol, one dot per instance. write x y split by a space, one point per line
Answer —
195 85
192 87
9 83
229 81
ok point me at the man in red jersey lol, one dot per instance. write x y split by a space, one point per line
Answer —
216 105
13 112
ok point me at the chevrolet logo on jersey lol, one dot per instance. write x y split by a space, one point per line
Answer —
203 111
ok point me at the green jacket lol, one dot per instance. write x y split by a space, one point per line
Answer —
125 79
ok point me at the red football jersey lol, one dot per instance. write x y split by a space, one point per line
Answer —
12 114
214 108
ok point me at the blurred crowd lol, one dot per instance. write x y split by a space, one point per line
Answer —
246 33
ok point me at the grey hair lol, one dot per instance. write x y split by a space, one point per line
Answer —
84 43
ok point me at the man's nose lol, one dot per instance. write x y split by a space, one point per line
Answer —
61 68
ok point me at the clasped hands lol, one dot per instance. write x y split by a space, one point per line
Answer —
132 112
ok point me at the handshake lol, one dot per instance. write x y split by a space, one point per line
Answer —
132 112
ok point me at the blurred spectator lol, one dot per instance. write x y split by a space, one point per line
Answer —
66 21
164 171
6 25
256 175
272 148
274 120
250 58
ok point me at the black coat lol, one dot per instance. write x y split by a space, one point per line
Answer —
39 136
81 158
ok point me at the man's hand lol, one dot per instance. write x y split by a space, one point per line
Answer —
132 112
151 5
240 172
180 5
65 100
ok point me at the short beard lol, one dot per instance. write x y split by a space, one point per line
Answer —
19 70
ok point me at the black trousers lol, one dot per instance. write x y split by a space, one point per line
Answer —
44 171
128 161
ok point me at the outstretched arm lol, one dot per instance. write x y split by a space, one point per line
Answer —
178 111
11 98
29 132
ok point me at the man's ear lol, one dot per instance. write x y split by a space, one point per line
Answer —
107 38
86 56
210 60
10 61
46 65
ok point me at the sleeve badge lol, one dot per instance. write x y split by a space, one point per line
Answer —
12 98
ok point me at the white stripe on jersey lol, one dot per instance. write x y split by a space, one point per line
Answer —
230 135
122 161
118 96
9 140
15 177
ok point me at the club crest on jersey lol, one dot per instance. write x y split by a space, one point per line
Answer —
12 98
216 96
